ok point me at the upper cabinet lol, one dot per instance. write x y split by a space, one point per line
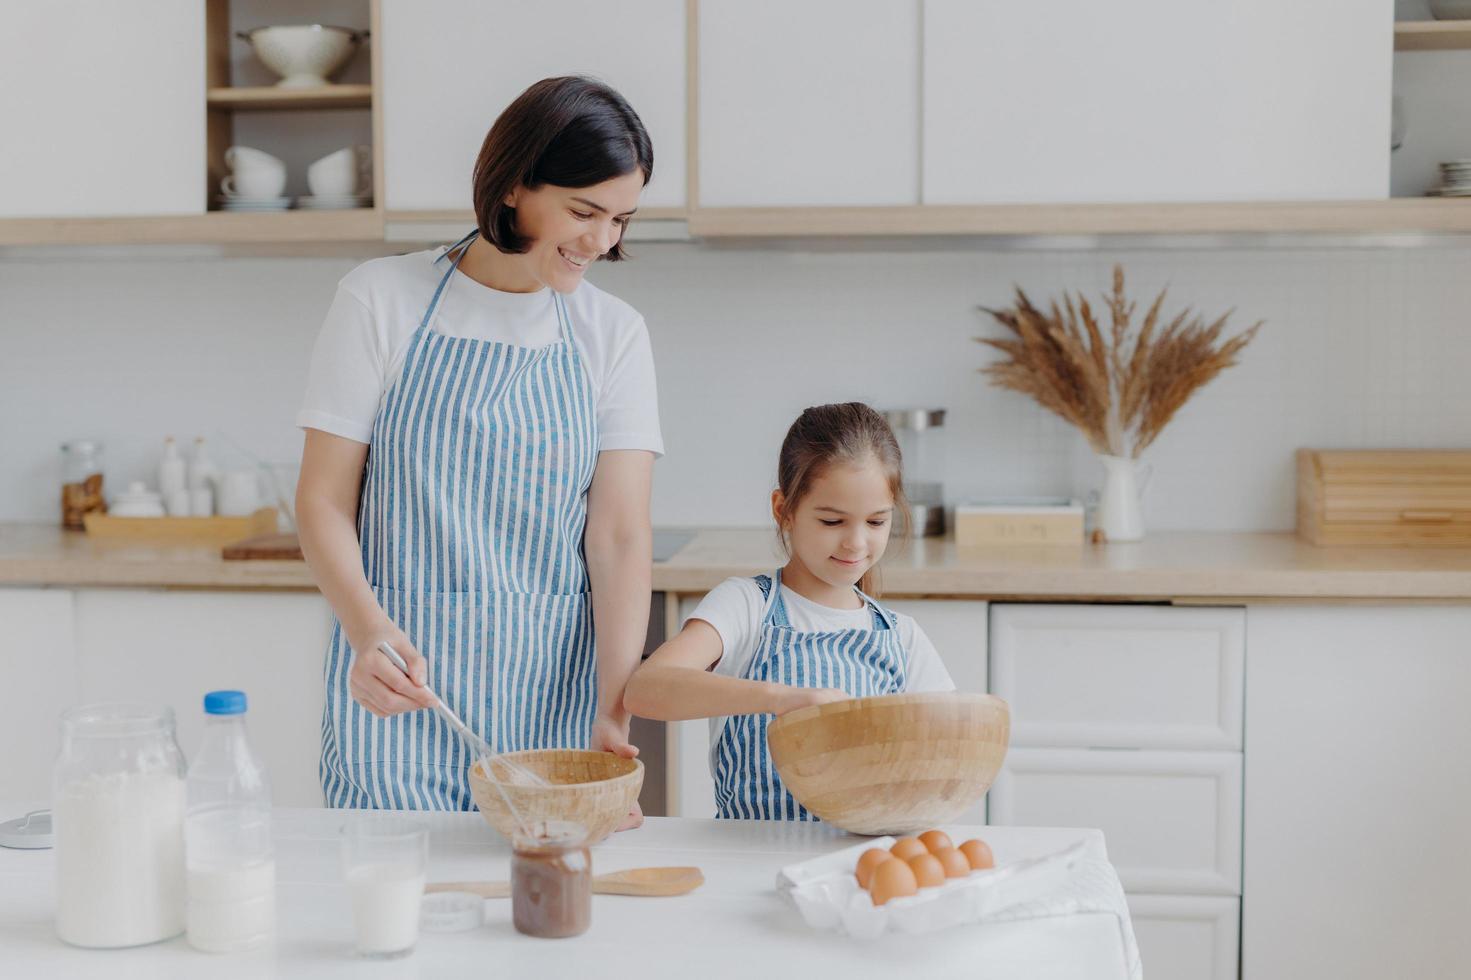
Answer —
1156 101
812 103
103 112
451 66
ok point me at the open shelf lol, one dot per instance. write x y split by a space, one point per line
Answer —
1432 35
211 228
273 98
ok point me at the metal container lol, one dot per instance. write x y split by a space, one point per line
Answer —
919 431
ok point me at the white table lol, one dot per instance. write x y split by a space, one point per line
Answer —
734 925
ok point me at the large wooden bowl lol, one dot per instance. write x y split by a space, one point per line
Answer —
892 764
595 789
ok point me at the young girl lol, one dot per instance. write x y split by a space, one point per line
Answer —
807 633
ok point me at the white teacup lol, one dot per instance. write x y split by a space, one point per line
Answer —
254 184
339 173
255 174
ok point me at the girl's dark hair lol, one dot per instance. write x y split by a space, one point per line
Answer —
569 132
850 433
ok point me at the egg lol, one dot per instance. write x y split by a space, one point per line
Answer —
892 879
954 863
907 847
935 840
928 871
870 859
978 853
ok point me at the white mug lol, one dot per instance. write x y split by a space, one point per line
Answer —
339 173
239 493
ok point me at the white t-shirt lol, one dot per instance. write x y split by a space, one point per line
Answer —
735 607
378 306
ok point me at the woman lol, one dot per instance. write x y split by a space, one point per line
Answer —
481 427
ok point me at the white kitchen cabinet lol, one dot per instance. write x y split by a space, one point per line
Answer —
1358 792
1120 676
1187 937
451 66
812 103
1156 100
104 110
956 627
171 647
38 660
1172 819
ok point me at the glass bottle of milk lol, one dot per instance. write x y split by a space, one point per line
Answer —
229 860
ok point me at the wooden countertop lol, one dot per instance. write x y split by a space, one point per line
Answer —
1182 566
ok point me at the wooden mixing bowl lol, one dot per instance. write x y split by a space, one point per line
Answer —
891 764
595 789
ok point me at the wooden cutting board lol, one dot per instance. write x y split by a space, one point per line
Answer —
266 547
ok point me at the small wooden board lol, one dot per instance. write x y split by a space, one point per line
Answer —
265 547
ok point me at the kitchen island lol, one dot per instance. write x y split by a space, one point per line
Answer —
735 925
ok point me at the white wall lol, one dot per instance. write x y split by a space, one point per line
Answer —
1362 348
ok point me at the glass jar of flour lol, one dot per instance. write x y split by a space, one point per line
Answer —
118 814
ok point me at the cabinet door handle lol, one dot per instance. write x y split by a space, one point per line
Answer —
1427 516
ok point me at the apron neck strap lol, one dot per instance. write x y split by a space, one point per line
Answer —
462 246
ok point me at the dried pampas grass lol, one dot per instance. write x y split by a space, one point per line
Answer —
1118 386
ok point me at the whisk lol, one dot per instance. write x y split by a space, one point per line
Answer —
476 744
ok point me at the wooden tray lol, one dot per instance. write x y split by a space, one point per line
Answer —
180 530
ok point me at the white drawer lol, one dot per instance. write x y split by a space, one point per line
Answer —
1145 677
1172 820
1187 937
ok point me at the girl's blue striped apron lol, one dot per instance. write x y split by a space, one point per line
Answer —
471 521
863 662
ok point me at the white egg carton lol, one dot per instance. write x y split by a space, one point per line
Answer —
826 892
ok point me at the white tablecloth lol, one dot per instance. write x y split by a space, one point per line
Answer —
735 925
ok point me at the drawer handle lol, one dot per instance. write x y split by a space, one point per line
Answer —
1427 516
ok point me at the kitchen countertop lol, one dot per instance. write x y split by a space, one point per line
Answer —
734 925
1167 565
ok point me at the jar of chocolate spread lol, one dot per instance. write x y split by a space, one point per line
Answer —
551 880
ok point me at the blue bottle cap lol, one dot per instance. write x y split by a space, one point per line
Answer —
224 703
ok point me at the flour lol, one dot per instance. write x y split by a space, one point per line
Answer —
119 859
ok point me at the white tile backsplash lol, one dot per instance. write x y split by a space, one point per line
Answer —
1362 347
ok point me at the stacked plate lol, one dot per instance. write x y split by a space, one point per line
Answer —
254 203
1455 179
323 202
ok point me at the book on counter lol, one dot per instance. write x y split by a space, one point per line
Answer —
1019 520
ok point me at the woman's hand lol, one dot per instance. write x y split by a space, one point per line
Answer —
610 734
793 698
377 684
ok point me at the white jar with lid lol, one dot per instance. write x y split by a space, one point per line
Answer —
118 814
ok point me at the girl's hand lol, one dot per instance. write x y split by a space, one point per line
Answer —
611 735
803 697
377 684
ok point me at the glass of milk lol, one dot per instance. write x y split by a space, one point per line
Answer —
384 860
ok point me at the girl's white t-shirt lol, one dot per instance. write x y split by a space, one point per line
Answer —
379 304
735 608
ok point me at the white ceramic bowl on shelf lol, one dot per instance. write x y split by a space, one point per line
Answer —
1450 9
304 55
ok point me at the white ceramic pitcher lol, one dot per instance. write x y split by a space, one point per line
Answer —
1120 516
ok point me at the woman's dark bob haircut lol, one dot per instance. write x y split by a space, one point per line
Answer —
569 132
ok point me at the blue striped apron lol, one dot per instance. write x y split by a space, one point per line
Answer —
863 662
471 521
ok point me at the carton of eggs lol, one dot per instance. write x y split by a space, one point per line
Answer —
917 884
912 863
